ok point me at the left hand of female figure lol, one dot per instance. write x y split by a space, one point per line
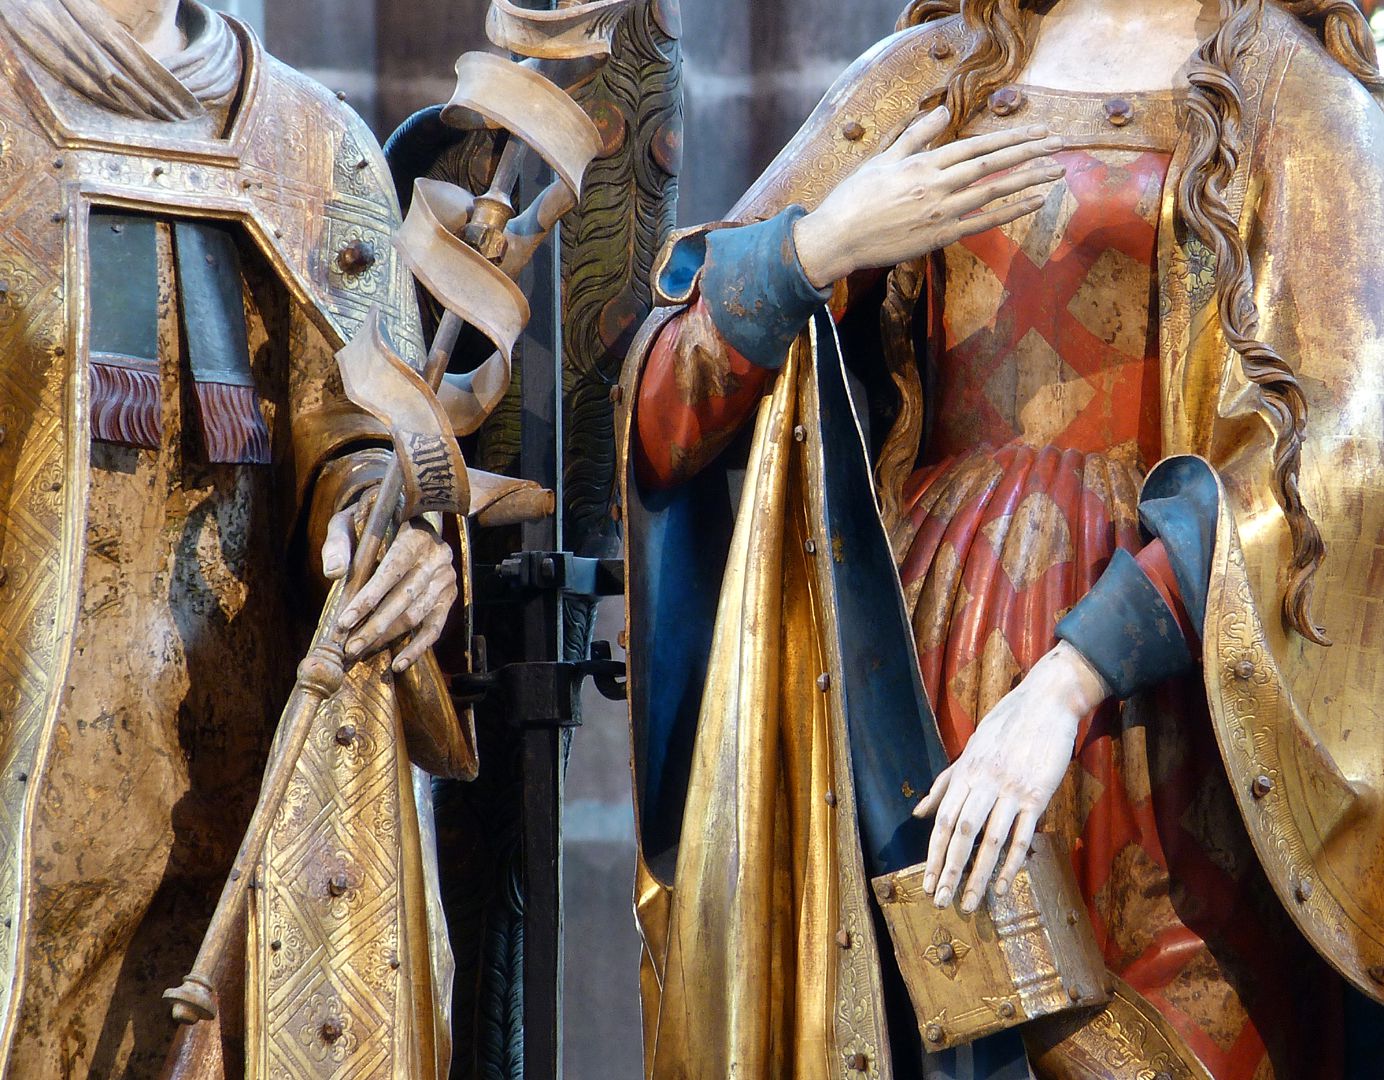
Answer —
1003 781
411 591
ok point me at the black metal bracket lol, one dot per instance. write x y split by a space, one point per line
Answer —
545 693
529 572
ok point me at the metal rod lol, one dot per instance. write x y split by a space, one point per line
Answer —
541 460
320 675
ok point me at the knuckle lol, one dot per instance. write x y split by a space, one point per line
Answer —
966 828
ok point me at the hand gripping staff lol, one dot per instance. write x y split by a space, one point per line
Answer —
467 250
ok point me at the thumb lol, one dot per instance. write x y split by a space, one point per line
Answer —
919 134
336 550
933 800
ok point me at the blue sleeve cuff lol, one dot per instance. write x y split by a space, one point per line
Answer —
1179 505
1124 627
756 290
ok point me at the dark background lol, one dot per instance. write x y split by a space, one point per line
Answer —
754 70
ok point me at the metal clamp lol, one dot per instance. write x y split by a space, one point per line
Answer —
558 571
544 694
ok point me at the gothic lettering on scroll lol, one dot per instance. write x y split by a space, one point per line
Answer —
433 472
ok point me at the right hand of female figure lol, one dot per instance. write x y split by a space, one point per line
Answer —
909 200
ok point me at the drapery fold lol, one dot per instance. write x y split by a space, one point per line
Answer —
82 45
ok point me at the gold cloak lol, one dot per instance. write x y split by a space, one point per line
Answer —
302 177
1300 726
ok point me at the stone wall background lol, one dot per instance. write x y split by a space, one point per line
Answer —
754 70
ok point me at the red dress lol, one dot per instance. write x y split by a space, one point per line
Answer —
1047 418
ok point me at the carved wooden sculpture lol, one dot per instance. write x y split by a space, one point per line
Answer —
191 232
608 246
1052 446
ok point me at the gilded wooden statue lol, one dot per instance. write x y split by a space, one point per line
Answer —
1052 352
190 231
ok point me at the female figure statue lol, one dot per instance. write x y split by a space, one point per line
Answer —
1113 489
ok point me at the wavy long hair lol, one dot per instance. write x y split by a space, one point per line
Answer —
1003 32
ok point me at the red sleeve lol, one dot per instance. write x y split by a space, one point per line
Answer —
697 393
1154 562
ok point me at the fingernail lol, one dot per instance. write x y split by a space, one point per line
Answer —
400 665
354 646
929 883
1037 131
944 897
970 902
1053 143
1001 887
1055 171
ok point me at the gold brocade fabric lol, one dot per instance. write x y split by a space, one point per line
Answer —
749 942
151 619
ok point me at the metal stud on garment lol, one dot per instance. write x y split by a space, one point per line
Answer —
1119 111
1007 100
357 257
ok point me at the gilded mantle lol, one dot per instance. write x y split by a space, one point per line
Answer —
302 176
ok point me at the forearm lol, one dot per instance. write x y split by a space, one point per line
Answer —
1141 623
748 300
695 396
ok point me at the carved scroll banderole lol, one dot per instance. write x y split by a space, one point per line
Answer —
320 675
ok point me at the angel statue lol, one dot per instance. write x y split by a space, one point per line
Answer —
1052 349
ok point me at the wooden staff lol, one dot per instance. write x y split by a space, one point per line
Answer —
320 675
323 670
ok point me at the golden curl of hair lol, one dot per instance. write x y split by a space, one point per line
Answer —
1003 32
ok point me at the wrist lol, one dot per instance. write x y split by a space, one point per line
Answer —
1083 685
818 252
